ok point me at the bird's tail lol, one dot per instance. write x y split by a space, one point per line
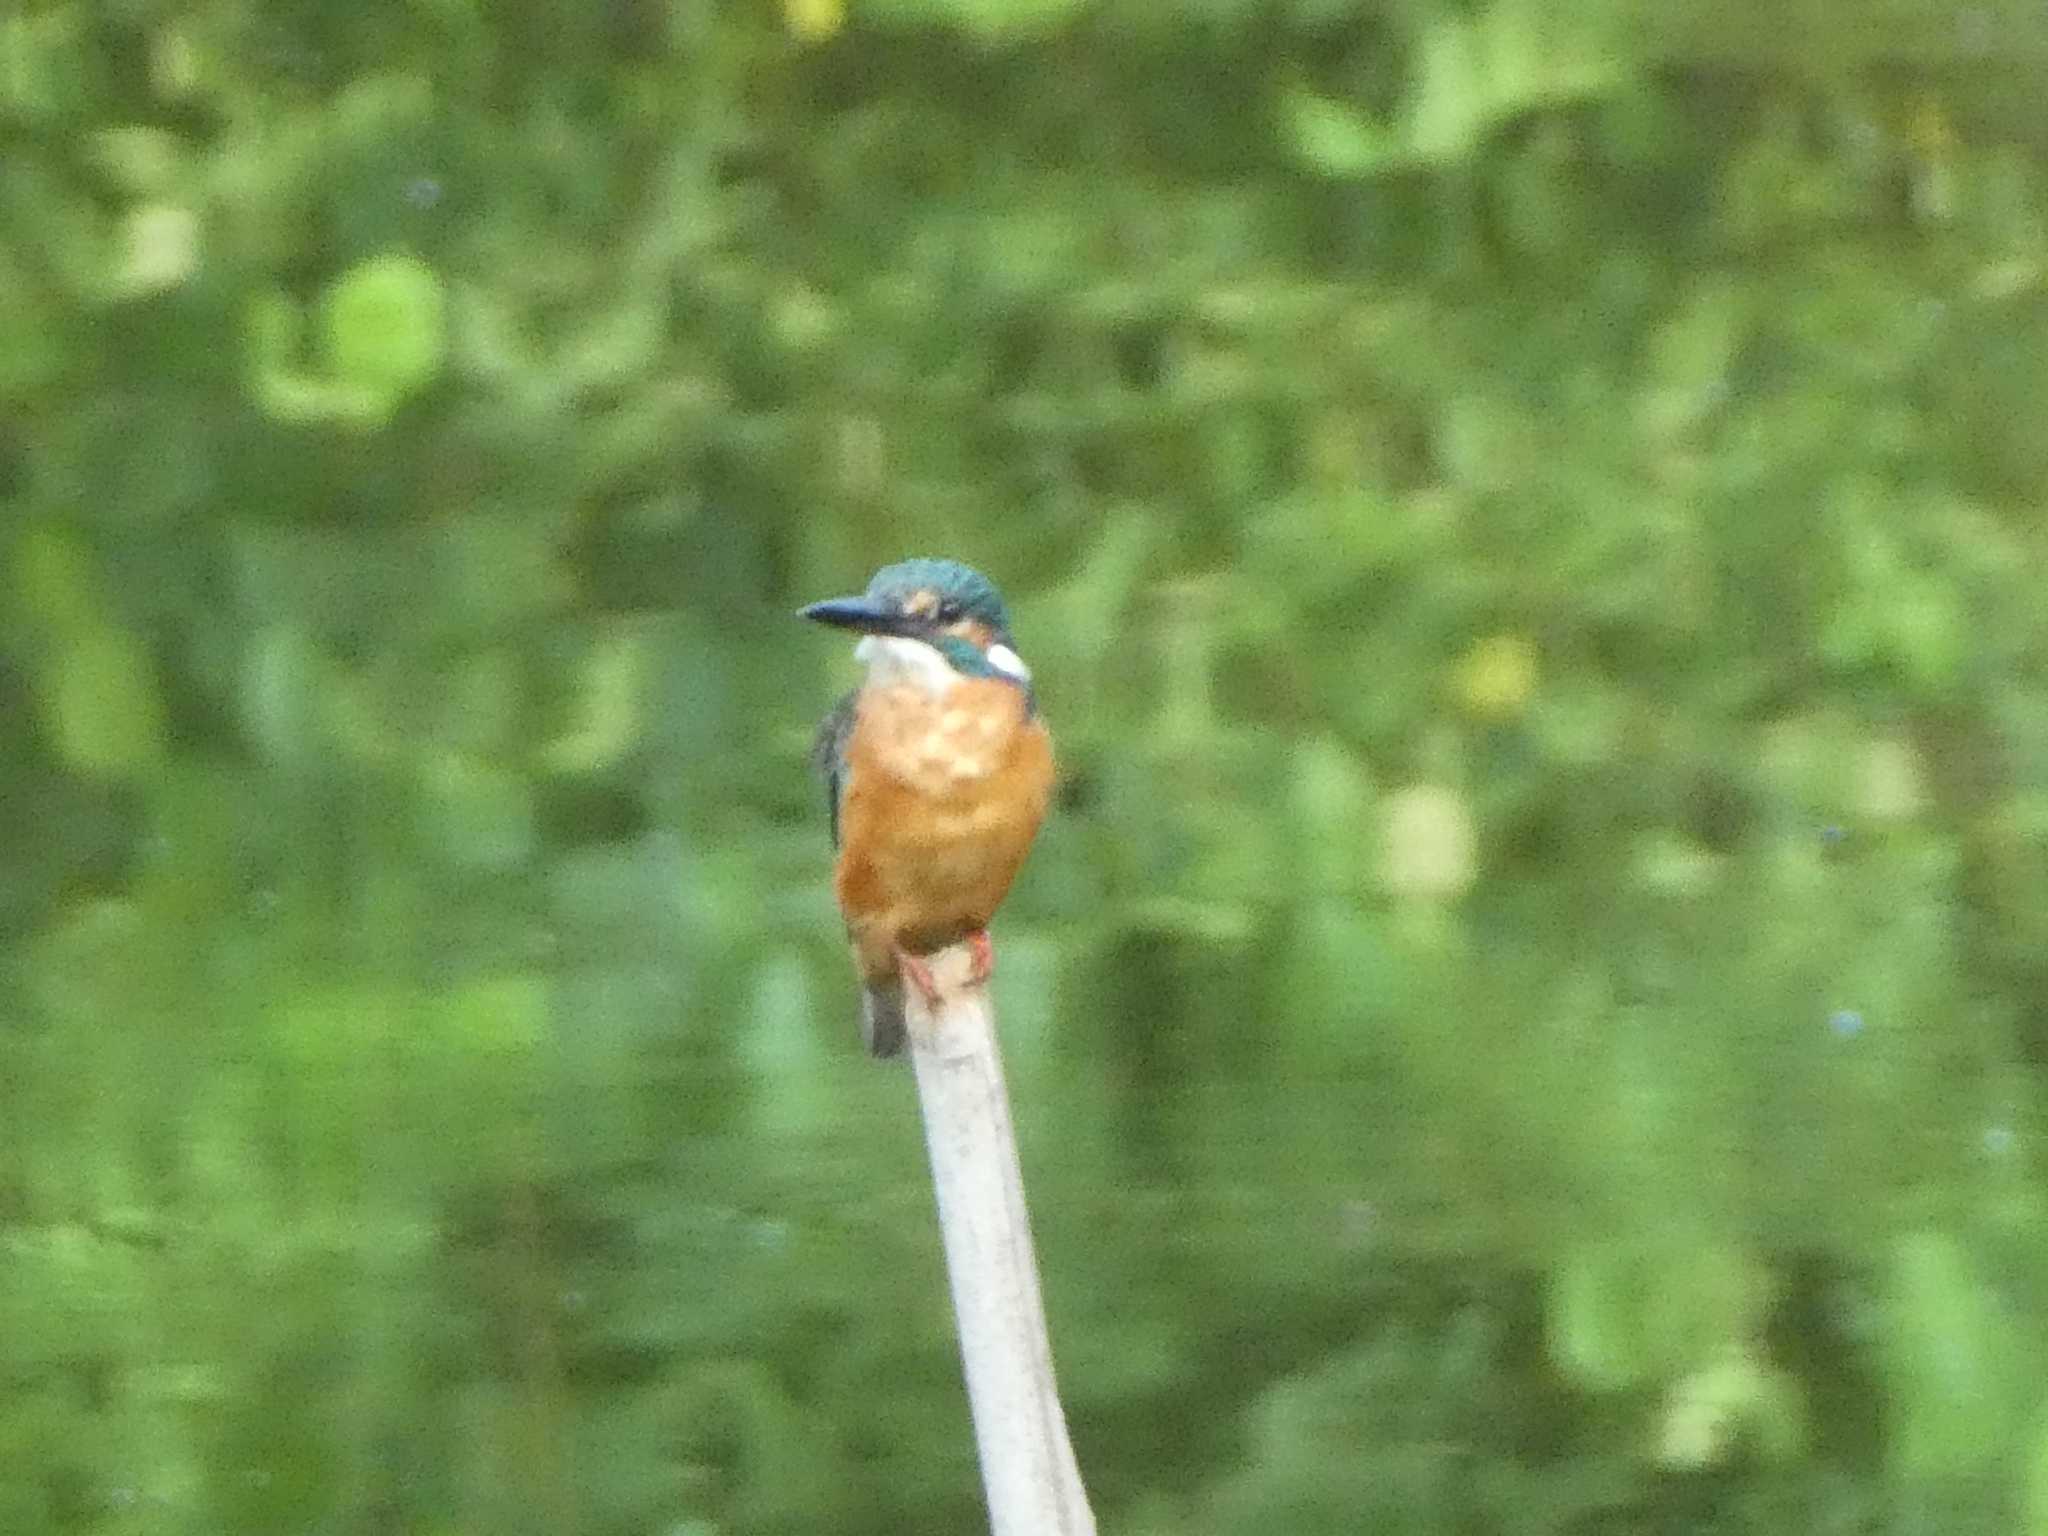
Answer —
881 1017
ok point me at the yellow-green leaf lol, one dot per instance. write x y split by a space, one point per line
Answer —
101 704
384 328
1331 138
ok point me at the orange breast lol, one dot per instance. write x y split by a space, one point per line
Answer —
944 794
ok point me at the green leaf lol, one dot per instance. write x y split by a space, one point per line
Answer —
326 1031
990 20
283 674
31 343
498 1015
271 327
1624 1313
2037 1483
1595 1328
1333 802
53 580
606 707
1331 138
101 704
1953 1359
1736 1397
384 328
272 330
1511 58
478 815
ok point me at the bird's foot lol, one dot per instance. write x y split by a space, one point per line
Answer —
983 950
919 974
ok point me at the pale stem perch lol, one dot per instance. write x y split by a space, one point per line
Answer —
1028 1472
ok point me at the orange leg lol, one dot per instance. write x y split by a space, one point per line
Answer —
919 975
983 949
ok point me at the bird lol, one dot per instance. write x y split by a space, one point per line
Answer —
937 769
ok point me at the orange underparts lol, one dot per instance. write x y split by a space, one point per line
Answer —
943 794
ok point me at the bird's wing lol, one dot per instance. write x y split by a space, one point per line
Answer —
828 756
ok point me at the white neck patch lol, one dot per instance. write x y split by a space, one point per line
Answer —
1009 663
897 659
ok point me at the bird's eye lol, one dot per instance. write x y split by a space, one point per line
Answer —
947 613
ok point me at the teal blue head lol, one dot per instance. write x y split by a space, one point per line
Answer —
940 607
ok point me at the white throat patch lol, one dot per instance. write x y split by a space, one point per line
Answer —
896 659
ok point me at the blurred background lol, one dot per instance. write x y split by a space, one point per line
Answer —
1531 1013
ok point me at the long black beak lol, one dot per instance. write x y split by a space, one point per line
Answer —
860 613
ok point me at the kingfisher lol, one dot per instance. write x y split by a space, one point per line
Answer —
937 773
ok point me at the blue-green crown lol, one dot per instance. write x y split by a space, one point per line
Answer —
957 585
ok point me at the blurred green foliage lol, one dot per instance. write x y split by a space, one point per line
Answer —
1530 1017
